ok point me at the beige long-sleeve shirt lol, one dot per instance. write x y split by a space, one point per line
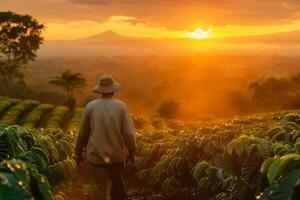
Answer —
105 130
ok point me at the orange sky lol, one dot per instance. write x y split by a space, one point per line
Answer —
70 19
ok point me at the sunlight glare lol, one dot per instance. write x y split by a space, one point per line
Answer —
198 34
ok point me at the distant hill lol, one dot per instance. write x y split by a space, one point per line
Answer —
111 43
105 36
106 43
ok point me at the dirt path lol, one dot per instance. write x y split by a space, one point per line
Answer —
79 189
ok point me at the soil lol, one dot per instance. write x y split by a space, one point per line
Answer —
79 189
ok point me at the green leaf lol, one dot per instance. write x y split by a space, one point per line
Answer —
41 185
199 170
284 189
10 188
279 165
266 164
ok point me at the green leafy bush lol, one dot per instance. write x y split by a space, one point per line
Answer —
284 177
6 103
13 114
57 117
35 116
19 180
75 120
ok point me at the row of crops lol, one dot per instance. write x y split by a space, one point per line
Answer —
245 158
32 114
32 159
36 148
256 157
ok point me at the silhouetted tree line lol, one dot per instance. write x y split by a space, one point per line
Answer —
269 94
276 93
266 95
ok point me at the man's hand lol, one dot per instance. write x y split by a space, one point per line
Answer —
131 158
79 160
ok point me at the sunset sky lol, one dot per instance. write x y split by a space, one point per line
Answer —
70 19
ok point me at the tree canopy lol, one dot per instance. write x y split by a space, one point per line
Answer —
20 38
69 82
168 109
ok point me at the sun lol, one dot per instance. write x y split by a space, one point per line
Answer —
199 34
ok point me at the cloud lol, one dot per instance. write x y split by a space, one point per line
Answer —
170 14
92 1
126 19
187 13
131 2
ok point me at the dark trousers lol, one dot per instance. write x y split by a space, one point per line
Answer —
107 178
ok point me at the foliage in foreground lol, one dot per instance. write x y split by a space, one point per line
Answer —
242 159
42 155
19 180
32 114
245 158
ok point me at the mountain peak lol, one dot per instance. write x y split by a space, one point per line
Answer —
106 35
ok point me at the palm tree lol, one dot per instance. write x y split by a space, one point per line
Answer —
69 82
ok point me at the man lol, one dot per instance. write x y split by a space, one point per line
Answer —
105 130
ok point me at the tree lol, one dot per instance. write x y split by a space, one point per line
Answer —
296 77
20 38
168 109
276 93
69 82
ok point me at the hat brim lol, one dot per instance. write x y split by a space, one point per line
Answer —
107 89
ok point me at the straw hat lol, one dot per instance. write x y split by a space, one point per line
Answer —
107 85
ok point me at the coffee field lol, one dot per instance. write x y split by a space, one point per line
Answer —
244 158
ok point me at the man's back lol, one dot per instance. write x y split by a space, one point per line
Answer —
105 130
109 126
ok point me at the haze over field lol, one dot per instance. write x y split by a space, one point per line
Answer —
110 43
200 84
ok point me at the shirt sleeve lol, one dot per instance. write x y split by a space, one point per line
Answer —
84 133
128 131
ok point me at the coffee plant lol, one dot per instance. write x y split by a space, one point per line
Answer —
244 158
